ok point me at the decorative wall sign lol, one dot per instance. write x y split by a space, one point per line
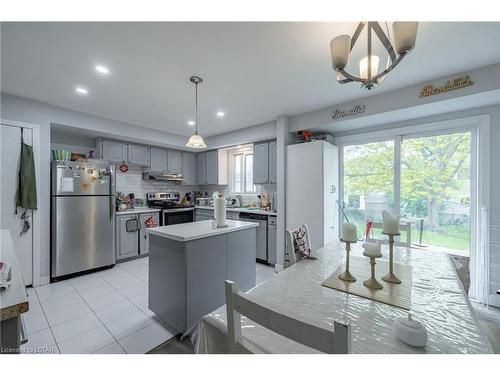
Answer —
356 110
457 83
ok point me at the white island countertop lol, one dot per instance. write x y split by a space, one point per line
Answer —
198 229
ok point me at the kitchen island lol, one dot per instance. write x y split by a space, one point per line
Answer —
188 264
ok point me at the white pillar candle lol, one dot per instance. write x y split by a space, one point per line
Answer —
372 249
349 233
391 223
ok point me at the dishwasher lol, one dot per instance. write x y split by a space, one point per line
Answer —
261 233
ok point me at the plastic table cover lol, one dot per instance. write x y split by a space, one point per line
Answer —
438 301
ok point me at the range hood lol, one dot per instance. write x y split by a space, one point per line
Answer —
161 176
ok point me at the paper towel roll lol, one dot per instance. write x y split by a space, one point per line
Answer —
220 212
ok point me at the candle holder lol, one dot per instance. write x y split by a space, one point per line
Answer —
390 277
372 282
347 276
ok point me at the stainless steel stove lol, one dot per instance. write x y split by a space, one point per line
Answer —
172 211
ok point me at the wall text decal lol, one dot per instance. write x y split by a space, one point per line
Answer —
457 83
356 110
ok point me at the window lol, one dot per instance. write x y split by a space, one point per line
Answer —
241 171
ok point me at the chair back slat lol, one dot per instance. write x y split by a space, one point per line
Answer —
328 341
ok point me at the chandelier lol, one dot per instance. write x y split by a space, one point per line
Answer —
405 35
196 141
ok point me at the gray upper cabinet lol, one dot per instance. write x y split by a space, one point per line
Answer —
158 160
261 163
188 168
212 168
174 161
114 151
138 155
273 155
201 166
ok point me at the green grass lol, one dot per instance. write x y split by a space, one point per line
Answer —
449 236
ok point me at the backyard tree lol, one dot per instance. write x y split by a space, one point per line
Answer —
434 170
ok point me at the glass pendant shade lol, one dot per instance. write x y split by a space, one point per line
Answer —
196 141
363 67
405 36
340 46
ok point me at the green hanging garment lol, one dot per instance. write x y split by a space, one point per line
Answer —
26 191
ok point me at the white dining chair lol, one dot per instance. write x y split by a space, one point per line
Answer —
336 341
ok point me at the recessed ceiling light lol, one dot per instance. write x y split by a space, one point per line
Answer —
102 69
220 114
191 123
81 90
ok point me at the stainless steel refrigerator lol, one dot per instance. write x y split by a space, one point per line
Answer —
82 216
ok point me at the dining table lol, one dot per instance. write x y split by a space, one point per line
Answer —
438 301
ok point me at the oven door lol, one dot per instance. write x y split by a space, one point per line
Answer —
178 216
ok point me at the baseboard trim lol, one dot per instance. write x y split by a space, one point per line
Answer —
44 280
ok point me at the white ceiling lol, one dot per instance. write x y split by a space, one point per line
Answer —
252 71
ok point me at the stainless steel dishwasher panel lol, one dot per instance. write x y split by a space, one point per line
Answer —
261 251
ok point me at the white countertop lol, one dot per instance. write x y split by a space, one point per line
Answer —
137 210
14 300
241 209
198 229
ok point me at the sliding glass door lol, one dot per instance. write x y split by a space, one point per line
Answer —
424 178
436 190
368 182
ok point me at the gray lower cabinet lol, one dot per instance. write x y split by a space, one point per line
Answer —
201 166
143 234
138 155
113 151
133 243
186 279
127 243
273 163
158 160
232 215
188 168
202 214
212 168
174 161
271 239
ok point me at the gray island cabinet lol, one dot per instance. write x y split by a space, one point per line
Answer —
188 264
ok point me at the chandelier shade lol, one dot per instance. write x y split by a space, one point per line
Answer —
340 46
405 36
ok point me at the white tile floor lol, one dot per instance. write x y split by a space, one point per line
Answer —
104 312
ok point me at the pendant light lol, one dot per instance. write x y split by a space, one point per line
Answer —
196 141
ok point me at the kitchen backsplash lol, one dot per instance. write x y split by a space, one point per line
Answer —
132 182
